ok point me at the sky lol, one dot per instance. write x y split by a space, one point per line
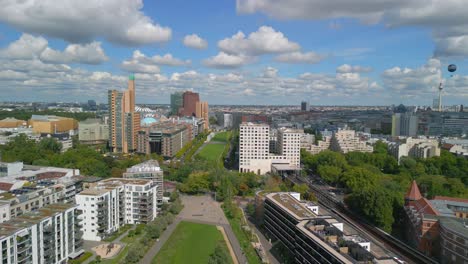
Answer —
326 52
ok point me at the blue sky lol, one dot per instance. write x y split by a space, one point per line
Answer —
324 51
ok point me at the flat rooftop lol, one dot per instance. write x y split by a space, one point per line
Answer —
292 205
107 185
24 221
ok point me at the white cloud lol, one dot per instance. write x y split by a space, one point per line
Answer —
300 57
446 19
194 41
26 47
29 47
346 68
225 61
411 82
91 53
136 67
263 41
140 63
119 21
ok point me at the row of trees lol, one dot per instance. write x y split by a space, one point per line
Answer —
47 152
375 183
26 115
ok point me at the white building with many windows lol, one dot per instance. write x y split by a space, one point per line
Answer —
111 203
49 235
257 155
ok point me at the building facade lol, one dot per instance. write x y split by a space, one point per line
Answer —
149 170
111 203
404 124
189 107
257 155
49 235
48 124
93 131
177 102
345 141
202 112
124 122
421 148
164 139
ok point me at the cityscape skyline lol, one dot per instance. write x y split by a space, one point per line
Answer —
353 56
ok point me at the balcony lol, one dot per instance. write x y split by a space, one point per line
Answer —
24 257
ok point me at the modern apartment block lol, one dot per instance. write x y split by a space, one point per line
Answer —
149 170
311 238
165 138
111 203
50 235
124 122
255 154
414 147
345 141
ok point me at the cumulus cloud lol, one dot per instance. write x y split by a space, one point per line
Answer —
194 41
446 19
118 21
140 63
413 81
26 47
227 61
346 68
263 41
91 53
300 57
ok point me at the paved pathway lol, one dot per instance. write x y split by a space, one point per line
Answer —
148 258
203 210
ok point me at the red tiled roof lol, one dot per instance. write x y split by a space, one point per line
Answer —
413 193
453 199
4 186
447 146
424 206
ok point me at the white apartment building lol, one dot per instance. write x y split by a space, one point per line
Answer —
255 154
321 145
414 147
111 203
149 169
49 235
345 141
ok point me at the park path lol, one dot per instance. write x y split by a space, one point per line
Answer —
203 210
153 251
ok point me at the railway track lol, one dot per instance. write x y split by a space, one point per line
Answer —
329 202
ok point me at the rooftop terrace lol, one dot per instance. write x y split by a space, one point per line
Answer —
291 204
24 221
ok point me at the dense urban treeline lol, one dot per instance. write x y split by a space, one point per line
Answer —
47 152
26 115
375 183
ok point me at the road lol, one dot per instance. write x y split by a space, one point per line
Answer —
203 210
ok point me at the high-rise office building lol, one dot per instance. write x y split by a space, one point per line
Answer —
177 102
202 112
124 122
404 124
189 107
304 106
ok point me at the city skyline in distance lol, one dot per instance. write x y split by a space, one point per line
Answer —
254 54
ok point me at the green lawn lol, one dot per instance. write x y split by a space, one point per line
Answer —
211 152
189 243
221 137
